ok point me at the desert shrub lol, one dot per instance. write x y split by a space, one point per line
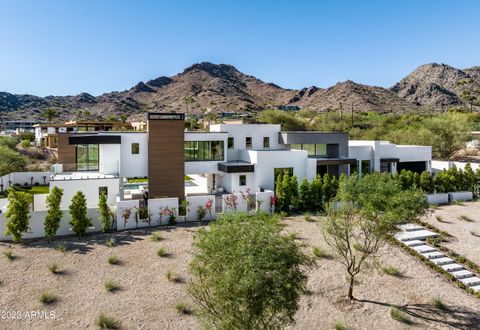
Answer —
156 236
465 218
25 144
54 268
18 213
113 260
9 255
319 253
438 303
182 308
47 298
107 322
259 271
54 214
161 252
78 212
111 242
172 277
399 315
339 325
392 271
61 246
111 286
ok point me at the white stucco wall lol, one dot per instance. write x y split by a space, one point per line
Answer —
24 177
36 224
438 165
90 188
157 204
264 200
194 202
134 165
130 223
231 182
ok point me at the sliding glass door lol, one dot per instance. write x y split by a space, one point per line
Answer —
87 157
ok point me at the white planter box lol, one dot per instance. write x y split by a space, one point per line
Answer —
460 196
438 199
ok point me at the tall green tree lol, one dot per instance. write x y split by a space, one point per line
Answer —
49 114
54 214
305 196
105 213
18 213
78 213
364 214
317 193
254 281
11 161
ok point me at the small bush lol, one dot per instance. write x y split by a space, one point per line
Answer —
172 277
439 218
107 322
111 242
308 217
392 271
47 298
465 218
54 268
61 246
156 236
111 286
182 308
399 315
9 255
161 252
438 303
339 325
319 253
113 260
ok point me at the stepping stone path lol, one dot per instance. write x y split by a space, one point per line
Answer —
415 236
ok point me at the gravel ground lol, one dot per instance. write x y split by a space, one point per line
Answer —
147 299
463 242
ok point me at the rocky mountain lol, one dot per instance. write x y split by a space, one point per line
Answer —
222 88
437 86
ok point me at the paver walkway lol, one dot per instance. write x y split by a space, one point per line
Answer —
415 236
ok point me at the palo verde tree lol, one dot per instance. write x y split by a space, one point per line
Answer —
364 214
18 213
78 212
105 213
247 274
54 214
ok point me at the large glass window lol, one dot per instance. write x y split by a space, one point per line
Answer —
319 149
87 157
203 150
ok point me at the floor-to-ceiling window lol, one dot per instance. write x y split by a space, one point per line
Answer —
203 150
87 157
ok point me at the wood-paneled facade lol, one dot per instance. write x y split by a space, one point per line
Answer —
166 164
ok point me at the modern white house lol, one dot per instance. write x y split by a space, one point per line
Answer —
231 157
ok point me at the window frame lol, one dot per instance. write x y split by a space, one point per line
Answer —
240 177
230 143
132 148
266 142
248 142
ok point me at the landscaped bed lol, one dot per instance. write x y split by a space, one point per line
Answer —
143 297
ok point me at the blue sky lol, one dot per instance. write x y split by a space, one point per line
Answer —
65 47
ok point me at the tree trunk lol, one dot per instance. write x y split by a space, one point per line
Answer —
350 289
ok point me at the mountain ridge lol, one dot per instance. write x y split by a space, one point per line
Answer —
223 88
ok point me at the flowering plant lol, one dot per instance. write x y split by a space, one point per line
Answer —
126 213
273 202
231 202
208 207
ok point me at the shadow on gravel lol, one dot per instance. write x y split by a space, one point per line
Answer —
454 317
